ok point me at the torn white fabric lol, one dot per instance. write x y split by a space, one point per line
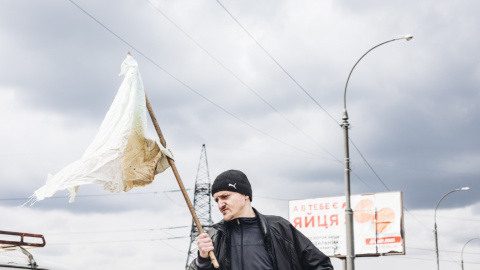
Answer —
120 157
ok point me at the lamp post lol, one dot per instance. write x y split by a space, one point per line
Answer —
435 219
348 209
465 245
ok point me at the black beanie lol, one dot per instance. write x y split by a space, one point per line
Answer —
232 180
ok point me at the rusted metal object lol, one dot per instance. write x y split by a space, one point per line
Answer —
24 239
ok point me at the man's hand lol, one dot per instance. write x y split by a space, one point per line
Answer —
205 244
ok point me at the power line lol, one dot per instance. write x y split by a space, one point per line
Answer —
443 217
98 195
119 241
371 168
218 106
428 259
213 103
380 179
276 62
271 198
124 194
383 183
117 231
291 77
450 251
427 170
186 85
238 79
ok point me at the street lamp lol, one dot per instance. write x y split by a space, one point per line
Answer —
435 218
465 245
348 209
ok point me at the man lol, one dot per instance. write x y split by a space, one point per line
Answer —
248 240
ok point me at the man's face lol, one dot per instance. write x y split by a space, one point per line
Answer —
232 204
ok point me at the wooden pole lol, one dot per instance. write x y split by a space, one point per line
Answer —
179 180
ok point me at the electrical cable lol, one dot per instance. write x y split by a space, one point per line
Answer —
428 259
452 251
276 62
365 160
288 74
383 183
223 109
238 79
117 231
218 106
98 195
187 86
120 241
440 217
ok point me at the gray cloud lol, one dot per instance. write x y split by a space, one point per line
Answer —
412 105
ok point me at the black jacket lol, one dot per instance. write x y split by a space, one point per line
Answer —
288 248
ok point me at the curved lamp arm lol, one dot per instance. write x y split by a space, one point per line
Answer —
406 37
458 189
466 245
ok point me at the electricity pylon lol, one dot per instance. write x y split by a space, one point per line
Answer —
201 203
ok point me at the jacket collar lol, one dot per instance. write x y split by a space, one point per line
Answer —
262 221
222 225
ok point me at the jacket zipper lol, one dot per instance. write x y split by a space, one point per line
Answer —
241 241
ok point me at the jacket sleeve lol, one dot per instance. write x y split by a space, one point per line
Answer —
311 258
204 264
200 264
193 265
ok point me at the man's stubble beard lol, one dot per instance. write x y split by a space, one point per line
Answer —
227 216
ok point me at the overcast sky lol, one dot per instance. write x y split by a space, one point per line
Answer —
261 84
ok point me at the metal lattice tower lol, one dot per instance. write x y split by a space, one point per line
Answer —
201 203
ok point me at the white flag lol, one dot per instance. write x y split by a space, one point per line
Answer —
120 157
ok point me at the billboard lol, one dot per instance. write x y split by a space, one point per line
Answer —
377 223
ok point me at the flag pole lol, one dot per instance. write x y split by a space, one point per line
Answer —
179 180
